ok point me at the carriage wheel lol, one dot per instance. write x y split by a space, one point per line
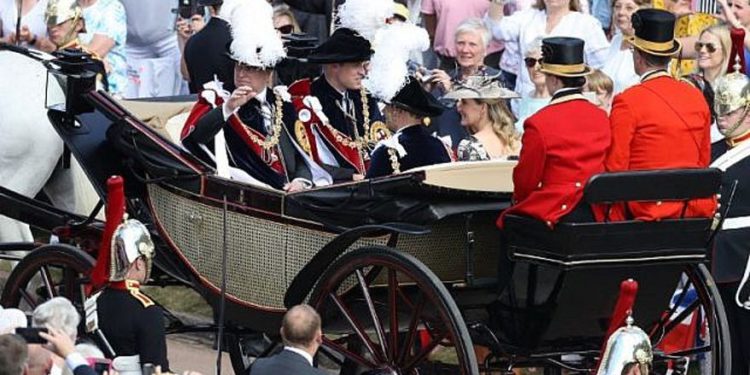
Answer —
46 272
707 302
385 310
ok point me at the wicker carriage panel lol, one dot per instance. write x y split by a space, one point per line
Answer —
444 249
264 256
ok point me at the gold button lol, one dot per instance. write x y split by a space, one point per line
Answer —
718 196
549 223
540 185
565 207
578 184
658 203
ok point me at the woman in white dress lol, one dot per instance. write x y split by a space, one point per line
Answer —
619 63
545 19
32 21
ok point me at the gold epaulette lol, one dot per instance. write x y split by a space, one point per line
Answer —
135 291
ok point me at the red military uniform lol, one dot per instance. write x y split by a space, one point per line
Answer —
564 144
661 123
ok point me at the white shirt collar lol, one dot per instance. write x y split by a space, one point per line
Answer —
301 352
261 97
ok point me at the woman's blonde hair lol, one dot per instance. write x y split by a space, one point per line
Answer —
575 5
503 122
721 31
283 10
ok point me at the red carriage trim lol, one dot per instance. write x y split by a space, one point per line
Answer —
114 212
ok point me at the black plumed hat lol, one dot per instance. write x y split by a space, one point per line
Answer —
345 45
654 32
413 98
563 56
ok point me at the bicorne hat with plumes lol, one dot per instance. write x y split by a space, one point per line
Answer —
345 45
255 41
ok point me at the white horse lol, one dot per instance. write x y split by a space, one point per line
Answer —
30 149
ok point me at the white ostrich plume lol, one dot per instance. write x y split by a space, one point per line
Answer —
365 17
255 41
388 68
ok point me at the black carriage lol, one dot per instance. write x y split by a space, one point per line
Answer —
409 272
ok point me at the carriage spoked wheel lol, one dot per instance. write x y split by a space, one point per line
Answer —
699 296
385 312
45 272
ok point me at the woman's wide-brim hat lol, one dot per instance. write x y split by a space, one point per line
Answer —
654 32
480 87
415 99
345 45
563 56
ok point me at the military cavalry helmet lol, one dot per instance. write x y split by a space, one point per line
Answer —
130 241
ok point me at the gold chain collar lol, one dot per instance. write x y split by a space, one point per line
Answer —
272 139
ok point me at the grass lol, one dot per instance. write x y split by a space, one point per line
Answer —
179 299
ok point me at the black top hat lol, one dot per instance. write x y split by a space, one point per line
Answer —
413 98
345 45
563 56
654 32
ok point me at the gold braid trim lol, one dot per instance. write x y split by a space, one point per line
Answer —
273 139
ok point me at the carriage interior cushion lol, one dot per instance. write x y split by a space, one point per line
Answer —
569 245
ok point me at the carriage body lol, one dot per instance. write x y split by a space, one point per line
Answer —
550 293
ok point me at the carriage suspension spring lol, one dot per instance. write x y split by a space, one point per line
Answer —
469 250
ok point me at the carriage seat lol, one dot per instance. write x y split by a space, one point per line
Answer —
570 245
166 117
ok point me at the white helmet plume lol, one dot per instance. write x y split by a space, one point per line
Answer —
255 41
388 69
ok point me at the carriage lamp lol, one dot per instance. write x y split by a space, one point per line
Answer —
69 77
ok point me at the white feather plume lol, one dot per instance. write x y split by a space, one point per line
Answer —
255 41
365 17
388 68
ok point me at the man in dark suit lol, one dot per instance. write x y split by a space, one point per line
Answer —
253 124
205 52
302 336
412 146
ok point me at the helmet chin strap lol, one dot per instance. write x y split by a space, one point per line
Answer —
730 132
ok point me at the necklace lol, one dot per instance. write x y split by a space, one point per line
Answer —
272 139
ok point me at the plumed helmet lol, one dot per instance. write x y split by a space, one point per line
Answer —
59 11
627 347
130 242
732 92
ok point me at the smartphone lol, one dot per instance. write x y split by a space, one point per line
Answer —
31 335
100 365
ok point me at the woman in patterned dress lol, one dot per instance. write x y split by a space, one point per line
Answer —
484 112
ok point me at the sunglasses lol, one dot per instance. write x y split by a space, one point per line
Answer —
286 29
710 47
531 62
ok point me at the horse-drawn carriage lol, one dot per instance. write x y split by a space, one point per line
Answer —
408 272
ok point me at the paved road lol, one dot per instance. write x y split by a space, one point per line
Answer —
189 353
